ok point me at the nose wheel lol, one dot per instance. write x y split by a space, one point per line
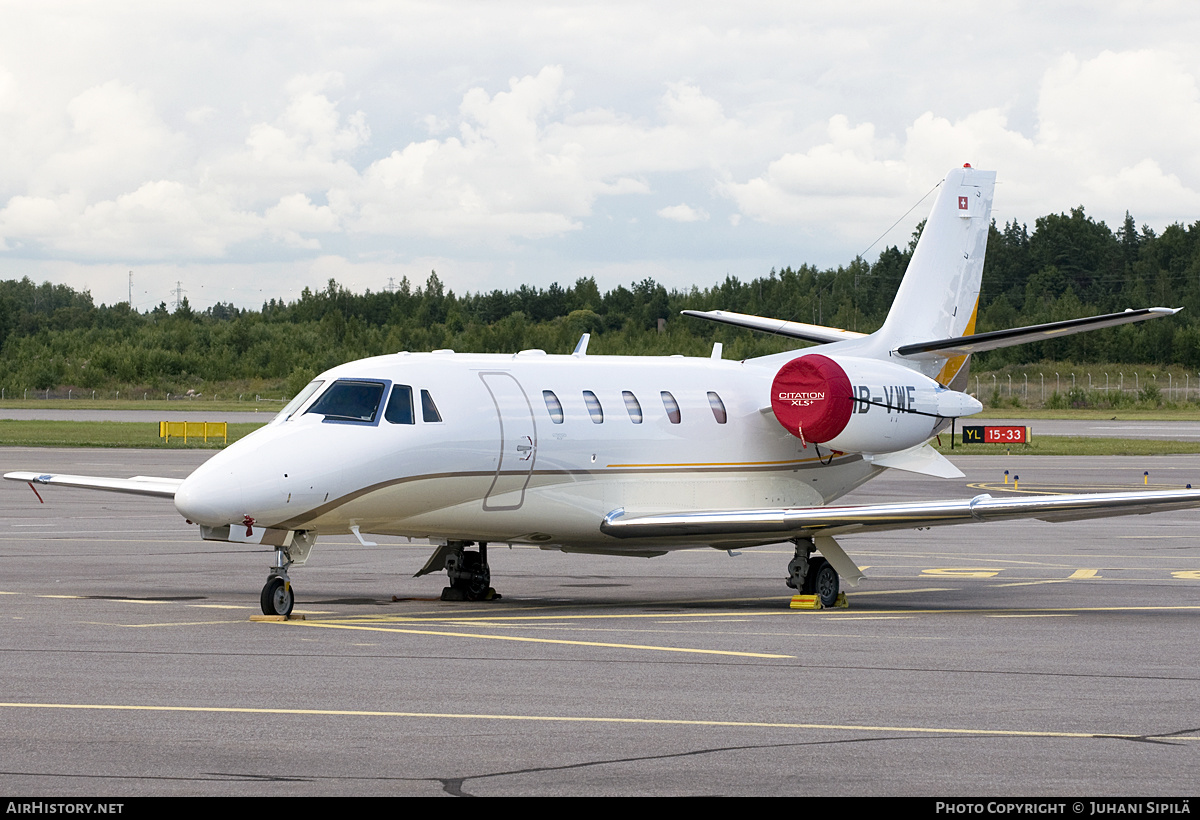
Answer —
277 597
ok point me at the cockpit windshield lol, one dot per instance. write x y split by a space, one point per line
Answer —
295 404
348 400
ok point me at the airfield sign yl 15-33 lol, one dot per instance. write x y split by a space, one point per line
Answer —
994 434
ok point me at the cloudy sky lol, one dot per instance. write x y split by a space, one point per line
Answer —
249 150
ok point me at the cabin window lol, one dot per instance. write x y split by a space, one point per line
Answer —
593 406
718 407
400 406
429 411
301 397
671 406
553 406
633 406
348 400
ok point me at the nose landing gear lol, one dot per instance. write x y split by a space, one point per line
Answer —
278 596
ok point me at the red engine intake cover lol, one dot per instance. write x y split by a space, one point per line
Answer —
811 397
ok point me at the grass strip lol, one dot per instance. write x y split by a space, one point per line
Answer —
138 434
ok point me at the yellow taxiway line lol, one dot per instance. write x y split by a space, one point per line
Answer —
524 639
738 724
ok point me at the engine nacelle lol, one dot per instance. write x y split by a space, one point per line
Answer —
862 405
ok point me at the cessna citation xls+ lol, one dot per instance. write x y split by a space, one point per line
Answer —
626 455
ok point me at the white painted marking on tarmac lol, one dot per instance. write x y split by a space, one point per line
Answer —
857 593
874 617
1043 615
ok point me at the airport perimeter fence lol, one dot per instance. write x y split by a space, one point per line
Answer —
1062 389
78 395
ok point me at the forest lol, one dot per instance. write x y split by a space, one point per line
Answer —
1068 265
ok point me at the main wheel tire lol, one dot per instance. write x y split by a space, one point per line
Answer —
809 587
476 586
826 584
277 597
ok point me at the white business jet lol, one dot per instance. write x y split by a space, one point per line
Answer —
623 455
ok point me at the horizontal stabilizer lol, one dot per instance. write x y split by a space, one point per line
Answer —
138 485
793 330
979 342
812 521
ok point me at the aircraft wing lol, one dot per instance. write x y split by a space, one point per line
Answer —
794 330
137 485
812 522
977 343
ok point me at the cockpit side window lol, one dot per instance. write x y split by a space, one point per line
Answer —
301 397
348 400
429 411
400 405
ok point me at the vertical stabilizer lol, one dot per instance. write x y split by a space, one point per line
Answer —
939 296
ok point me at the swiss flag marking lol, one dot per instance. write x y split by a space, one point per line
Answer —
963 203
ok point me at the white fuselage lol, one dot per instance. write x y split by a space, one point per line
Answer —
502 465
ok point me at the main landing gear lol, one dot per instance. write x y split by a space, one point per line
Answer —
470 575
812 576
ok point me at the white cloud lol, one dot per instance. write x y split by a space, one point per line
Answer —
513 172
683 213
112 141
160 219
508 145
847 179
1113 133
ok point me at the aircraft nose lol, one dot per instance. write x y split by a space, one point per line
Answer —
212 498
249 479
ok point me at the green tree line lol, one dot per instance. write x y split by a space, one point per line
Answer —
1068 265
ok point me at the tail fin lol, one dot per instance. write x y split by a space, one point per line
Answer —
939 296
